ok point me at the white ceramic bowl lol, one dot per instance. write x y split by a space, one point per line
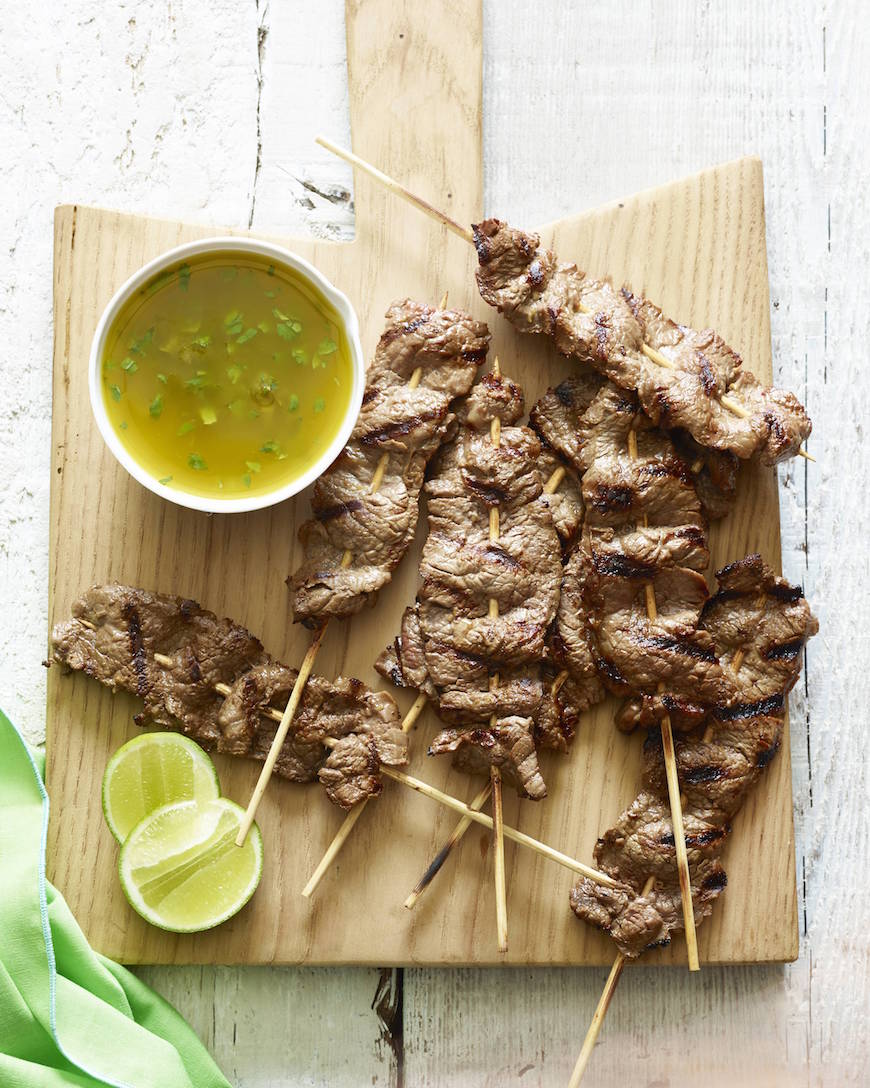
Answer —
277 255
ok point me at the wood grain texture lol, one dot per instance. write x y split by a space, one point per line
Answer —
715 223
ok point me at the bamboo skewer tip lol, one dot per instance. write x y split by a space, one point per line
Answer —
498 860
280 735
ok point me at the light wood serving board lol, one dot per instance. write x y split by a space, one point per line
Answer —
698 248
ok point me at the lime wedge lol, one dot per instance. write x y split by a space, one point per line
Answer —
151 771
181 869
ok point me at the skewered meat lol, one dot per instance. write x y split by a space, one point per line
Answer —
758 625
451 642
566 502
644 527
508 744
408 423
594 322
116 630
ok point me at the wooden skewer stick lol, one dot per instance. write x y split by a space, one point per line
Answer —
619 962
463 232
280 735
458 832
395 187
511 833
494 772
307 665
350 820
550 488
602 1007
673 784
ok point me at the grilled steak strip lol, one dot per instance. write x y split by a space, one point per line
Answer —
116 630
758 624
409 424
644 525
449 644
597 324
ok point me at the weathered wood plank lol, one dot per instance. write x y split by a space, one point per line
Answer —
272 1027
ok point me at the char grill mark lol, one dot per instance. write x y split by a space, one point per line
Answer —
450 644
400 428
752 611
137 652
447 346
591 321
116 630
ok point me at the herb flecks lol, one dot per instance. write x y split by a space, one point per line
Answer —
233 323
198 381
197 463
275 448
139 345
155 408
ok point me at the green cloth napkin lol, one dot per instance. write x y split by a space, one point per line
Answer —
69 1016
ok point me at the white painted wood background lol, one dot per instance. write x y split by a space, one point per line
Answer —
206 111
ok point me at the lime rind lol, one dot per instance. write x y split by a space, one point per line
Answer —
150 771
181 870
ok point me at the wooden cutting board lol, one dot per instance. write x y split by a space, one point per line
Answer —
697 247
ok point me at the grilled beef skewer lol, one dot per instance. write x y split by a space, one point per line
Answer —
625 337
644 533
759 625
695 382
116 632
361 530
425 359
451 640
630 585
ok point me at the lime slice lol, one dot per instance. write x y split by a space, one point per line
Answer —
181 870
151 771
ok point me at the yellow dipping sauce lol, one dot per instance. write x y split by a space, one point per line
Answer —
226 375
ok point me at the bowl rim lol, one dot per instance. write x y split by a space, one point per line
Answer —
241 244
